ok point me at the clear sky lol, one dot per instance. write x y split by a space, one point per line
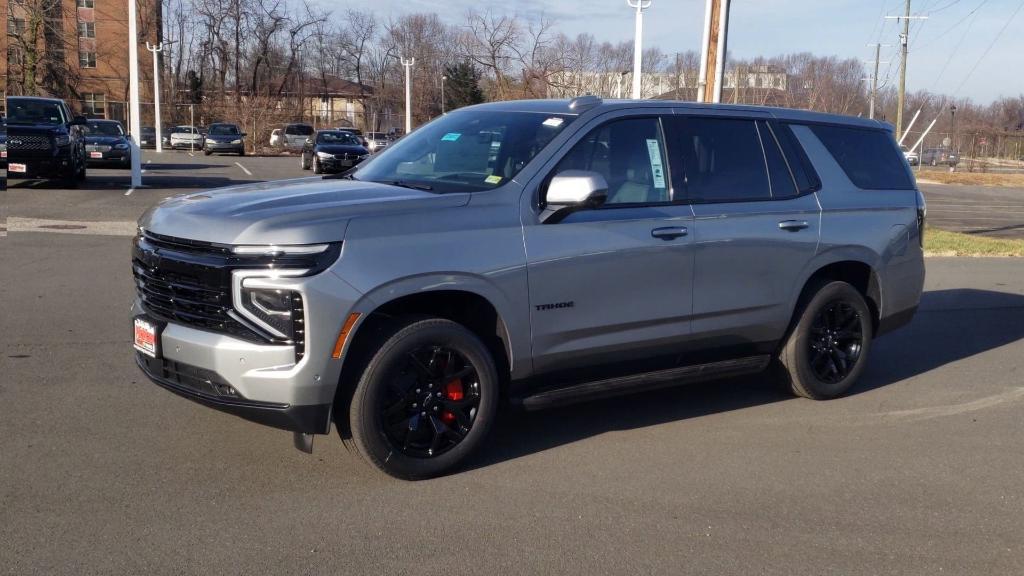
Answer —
943 49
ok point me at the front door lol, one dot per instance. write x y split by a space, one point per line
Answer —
613 283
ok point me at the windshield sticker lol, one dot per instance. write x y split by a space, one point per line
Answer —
654 151
492 179
450 137
553 122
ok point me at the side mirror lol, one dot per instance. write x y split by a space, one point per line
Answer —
309 140
573 190
78 121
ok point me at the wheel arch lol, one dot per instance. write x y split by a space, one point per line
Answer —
381 308
854 269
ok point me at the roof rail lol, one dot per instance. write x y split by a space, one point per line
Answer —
584 103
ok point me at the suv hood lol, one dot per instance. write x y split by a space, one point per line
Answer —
299 211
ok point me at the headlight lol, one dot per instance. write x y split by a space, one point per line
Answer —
121 146
62 140
273 308
324 155
238 141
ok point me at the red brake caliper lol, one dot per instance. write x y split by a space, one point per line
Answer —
452 391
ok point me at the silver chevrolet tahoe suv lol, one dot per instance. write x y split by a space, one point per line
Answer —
532 253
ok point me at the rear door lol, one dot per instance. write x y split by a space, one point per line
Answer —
754 232
613 283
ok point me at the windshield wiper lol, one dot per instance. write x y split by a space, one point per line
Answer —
412 185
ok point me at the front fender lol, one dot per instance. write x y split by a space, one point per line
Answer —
510 314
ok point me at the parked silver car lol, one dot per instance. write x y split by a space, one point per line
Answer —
376 141
295 136
536 252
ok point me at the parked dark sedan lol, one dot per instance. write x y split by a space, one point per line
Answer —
333 151
107 144
224 138
147 137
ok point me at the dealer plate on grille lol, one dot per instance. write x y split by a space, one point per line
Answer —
147 336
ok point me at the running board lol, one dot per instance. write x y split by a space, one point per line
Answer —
646 381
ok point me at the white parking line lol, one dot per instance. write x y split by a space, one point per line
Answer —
129 192
244 169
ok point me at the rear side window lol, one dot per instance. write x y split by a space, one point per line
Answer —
803 172
778 171
870 158
722 160
298 130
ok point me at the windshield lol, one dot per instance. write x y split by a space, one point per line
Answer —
104 129
299 130
34 112
224 130
466 151
184 130
337 138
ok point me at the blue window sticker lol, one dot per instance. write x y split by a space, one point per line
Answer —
450 137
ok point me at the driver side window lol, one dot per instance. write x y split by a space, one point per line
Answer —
630 154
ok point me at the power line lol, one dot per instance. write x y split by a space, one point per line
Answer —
989 49
957 23
971 20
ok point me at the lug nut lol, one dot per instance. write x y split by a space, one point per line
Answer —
417 390
414 405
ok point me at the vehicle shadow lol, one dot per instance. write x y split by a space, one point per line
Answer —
950 325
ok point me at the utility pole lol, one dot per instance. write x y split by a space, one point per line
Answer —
133 94
408 92
638 39
443 78
713 49
156 94
904 37
874 78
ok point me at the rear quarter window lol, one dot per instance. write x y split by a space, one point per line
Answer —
870 158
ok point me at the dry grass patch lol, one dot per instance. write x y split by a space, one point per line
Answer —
971 178
945 243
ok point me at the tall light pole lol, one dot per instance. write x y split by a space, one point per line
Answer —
408 92
443 78
156 94
638 41
133 94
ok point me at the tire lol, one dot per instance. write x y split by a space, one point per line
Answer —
832 324
316 167
207 152
455 416
302 162
241 152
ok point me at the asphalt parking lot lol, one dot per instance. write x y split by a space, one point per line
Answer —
918 471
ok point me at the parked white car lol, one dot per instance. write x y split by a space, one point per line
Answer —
186 137
276 138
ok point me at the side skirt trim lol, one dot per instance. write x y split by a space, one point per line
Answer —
645 381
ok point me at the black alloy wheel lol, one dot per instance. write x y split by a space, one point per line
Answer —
835 341
431 405
424 401
827 346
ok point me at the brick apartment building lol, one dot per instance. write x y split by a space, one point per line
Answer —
81 52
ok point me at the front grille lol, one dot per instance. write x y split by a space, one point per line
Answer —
28 142
189 283
97 148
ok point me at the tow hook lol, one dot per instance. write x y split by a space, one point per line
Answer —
303 442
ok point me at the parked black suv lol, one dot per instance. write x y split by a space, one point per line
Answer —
44 140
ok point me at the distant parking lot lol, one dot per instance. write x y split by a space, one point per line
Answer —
106 195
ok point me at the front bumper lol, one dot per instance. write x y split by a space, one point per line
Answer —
116 157
257 381
223 147
43 168
336 164
201 386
